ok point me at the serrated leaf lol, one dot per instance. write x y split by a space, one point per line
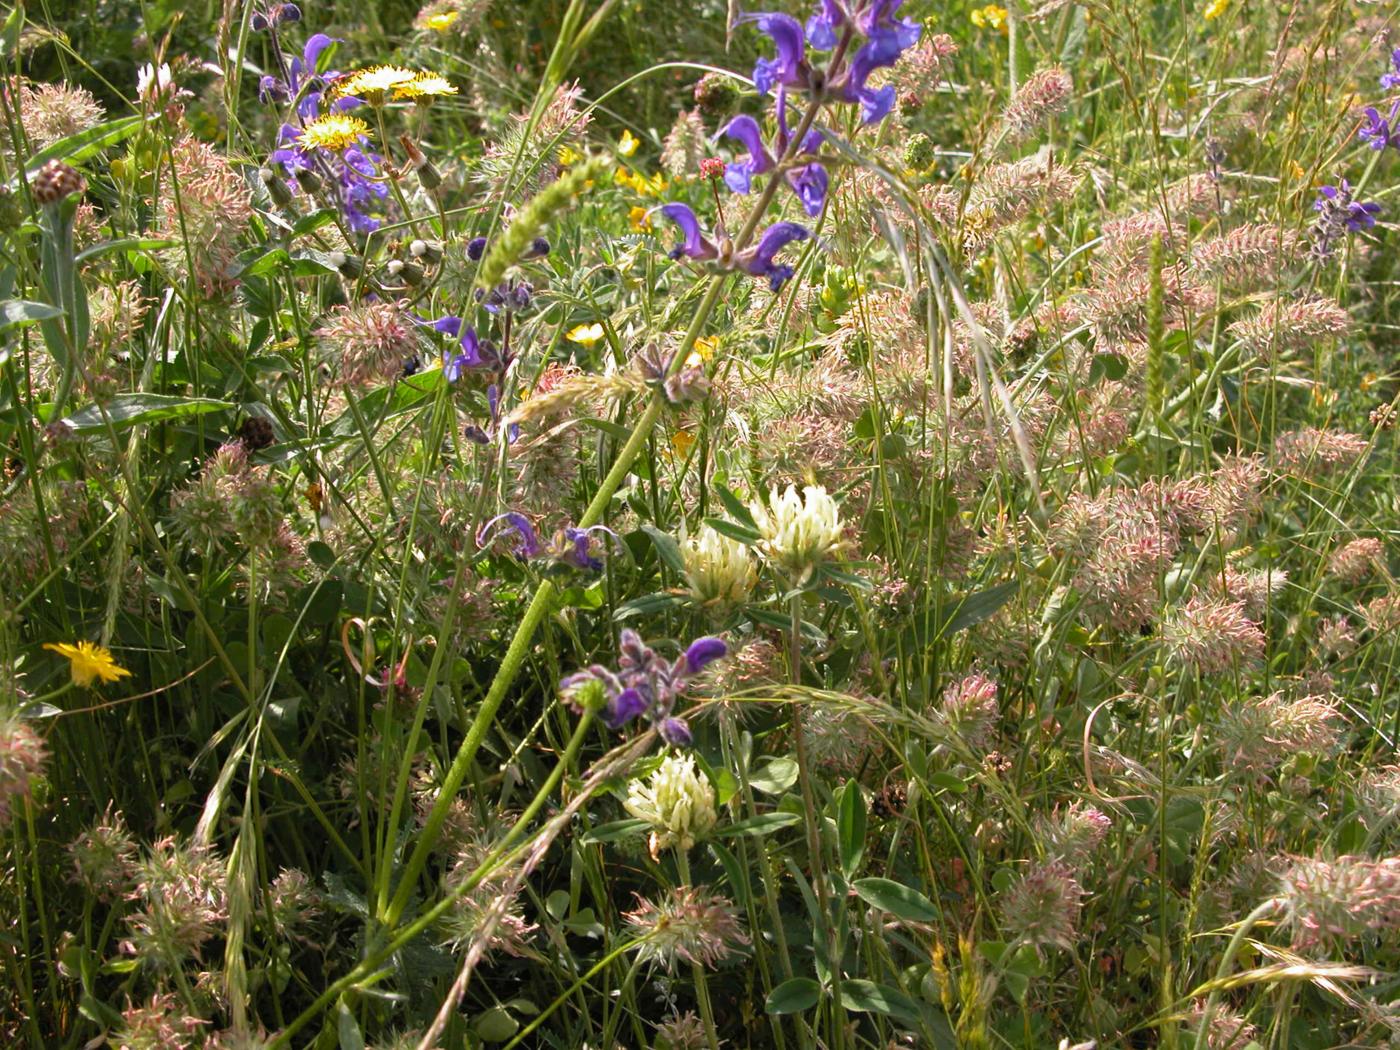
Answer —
129 410
897 899
794 996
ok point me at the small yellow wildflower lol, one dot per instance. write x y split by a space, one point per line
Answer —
627 145
1215 9
334 131
638 219
568 155
425 86
375 83
442 21
990 17
703 350
88 662
682 441
585 334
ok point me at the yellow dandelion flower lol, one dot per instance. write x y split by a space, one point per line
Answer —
990 17
442 21
334 131
425 86
88 662
585 334
569 156
638 219
627 145
375 83
1215 9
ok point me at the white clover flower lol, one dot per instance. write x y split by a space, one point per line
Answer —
677 801
719 569
798 531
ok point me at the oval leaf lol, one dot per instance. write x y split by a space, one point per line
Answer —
901 901
793 996
127 410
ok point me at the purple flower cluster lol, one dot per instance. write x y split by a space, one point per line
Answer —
879 37
570 546
1380 131
1339 214
644 684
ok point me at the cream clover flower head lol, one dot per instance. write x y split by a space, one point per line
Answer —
719 569
677 801
799 532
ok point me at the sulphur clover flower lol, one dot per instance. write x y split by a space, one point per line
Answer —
798 532
644 685
757 261
677 800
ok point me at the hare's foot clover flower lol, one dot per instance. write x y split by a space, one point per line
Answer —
644 684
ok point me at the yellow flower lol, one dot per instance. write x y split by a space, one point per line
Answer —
682 441
334 131
425 86
1215 9
627 145
374 83
703 350
638 220
585 334
990 17
568 155
442 21
87 662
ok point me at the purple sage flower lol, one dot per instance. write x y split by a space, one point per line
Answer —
526 543
1380 131
758 260
695 244
788 66
738 175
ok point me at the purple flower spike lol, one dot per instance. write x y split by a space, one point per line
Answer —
703 652
1381 131
810 183
675 732
787 66
875 106
695 245
1392 79
822 26
624 707
526 544
738 176
758 260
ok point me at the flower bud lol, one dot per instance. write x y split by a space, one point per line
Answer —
410 273
276 188
309 180
56 181
719 570
350 266
677 801
476 248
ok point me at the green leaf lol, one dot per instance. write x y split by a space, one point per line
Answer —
16 312
128 410
496 1025
667 548
135 244
607 426
348 1029
734 531
793 996
775 776
646 605
979 606
897 899
309 223
763 824
850 828
618 829
869 997
736 507
81 145
950 782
